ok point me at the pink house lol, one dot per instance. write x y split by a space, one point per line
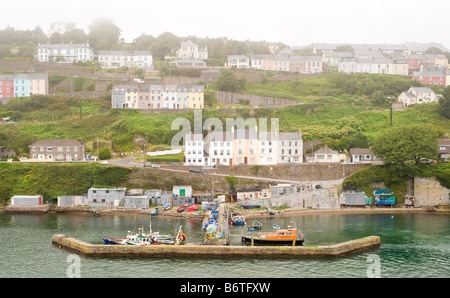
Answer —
6 86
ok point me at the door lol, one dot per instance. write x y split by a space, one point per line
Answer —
245 160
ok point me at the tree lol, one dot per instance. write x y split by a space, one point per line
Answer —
165 45
444 103
232 181
402 147
103 34
227 81
104 153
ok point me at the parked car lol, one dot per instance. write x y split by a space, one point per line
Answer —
147 164
193 170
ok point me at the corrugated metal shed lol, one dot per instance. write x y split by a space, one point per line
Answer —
353 198
27 200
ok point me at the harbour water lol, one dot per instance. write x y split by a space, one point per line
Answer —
412 245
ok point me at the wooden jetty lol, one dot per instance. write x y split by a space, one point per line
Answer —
193 250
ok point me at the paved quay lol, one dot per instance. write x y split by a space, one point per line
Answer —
192 250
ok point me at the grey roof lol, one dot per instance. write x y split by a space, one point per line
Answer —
408 94
360 151
290 136
422 89
64 46
56 142
326 150
125 53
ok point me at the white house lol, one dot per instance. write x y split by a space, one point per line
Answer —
220 148
116 59
68 53
190 50
417 95
239 61
194 149
362 155
290 147
326 154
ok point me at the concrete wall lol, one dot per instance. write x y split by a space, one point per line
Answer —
255 100
429 192
325 198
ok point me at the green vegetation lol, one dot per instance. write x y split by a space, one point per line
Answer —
166 158
53 180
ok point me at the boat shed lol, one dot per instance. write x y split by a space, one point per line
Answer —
72 201
27 200
355 198
139 202
102 197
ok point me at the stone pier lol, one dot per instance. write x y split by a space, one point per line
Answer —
192 250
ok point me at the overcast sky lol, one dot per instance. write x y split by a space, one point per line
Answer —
293 22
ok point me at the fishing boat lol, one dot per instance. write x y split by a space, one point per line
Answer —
152 238
271 212
237 220
193 208
167 206
154 211
115 240
288 236
251 205
181 209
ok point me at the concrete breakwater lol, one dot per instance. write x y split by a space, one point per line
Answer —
192 250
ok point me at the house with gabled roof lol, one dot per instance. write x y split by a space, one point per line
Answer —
417 95
57 150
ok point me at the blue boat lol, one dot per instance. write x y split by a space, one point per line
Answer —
166 206
154 211
238 220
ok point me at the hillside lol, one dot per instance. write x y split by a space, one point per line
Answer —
335 106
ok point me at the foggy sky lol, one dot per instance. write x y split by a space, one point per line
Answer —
293 22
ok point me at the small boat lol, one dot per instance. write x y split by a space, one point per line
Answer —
193 208
181 209
115 240
154 211
271 212
257 225
167 206
237 220
287 236
250 205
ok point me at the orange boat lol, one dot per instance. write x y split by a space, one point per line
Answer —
287 236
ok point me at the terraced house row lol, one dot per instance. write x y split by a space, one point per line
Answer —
243 147
146 96
22 85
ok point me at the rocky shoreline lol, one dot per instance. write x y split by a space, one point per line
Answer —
247 213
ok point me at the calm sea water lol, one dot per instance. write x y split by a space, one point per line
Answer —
412 245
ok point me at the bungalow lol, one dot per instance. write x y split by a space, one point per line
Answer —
326 154
362 155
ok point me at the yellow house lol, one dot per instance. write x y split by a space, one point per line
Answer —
196 97
399 66
38 84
